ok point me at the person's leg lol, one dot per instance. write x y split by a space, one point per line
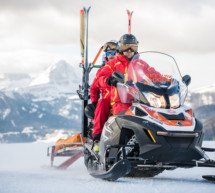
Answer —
101 115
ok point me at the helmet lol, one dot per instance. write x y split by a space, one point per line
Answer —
111 45
128 41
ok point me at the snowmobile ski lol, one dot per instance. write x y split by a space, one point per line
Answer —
210 178
118 170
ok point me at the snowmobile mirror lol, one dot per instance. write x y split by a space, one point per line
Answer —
119 76
186 79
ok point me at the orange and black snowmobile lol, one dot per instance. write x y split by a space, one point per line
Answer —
157 133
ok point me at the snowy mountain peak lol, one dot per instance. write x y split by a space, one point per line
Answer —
60 73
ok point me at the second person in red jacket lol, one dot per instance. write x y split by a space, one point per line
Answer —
128 46
103 105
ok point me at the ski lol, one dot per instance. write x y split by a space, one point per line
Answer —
210 178
118 170
83 89
129 20
82 30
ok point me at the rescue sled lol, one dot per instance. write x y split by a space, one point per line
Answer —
71 147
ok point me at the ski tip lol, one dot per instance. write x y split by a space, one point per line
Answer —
210 178
118 170
81 11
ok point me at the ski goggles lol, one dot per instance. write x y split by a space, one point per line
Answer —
126 47
110 53
109 46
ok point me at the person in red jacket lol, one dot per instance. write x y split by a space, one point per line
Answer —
128 46
101 115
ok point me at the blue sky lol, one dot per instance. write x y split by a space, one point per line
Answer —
35 34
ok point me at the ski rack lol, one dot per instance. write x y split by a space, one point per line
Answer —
81 90
75 151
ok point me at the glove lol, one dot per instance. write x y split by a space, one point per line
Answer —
94 104
97 137
111 81
130 83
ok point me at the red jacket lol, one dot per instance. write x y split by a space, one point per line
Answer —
121 64
95 90
118 64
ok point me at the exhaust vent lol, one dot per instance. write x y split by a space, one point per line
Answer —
139 112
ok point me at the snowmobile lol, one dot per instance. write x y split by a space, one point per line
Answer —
157 133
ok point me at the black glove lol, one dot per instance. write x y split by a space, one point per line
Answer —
97 137
130 83
94 104
111 81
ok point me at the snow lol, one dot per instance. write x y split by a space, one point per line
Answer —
59 79
40 116
28 130
57 134
33 110
13 123
24 168
6 113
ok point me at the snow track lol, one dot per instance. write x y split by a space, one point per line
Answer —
24 168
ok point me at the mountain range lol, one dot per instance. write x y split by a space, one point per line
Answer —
202 101
33 107
46 106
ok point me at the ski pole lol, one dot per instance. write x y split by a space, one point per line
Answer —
97 55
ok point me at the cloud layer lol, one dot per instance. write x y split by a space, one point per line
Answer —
178 26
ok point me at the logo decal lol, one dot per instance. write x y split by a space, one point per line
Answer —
149 109
179 123
171 112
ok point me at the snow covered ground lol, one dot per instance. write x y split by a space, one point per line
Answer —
24 168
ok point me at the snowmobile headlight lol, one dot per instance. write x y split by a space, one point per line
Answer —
174 101
155 100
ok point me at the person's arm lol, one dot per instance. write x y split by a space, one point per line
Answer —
94 91
105 72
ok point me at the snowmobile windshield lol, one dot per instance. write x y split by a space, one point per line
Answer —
153 78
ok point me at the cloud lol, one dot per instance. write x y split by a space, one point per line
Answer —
178 26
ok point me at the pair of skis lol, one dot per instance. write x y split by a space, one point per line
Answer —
83 91
122 167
